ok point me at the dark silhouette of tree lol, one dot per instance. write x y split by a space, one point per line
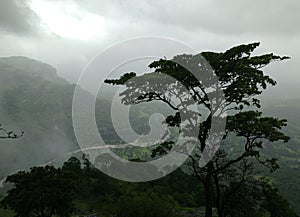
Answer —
275 204
5 134
87 165
241 79
151 205
41 192
241 190
73 164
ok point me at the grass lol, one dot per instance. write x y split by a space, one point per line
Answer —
6 213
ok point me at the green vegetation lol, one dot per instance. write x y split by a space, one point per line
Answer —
240 80
44 191
6 213
35 100
80 188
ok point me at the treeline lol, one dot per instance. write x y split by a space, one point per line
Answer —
77 188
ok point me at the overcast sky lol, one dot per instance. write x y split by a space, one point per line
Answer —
68 33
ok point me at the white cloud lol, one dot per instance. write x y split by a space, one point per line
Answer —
204 25
68 21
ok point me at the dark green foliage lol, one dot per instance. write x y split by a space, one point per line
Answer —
275 203
241 79
123 78
240 73
162 149
73 165
41 192
250 124
99 193
145 205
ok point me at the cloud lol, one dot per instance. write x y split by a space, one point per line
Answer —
221 17
16 17
204 25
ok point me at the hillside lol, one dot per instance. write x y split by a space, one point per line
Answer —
34 99
288 176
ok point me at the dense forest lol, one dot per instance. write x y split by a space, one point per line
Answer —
34 99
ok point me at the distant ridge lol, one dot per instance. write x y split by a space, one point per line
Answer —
31 67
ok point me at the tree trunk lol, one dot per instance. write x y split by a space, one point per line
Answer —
208 191
208 199
218 197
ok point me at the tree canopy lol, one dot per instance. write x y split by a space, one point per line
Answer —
227 84
41 192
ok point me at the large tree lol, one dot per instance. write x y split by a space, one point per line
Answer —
240 81
41 192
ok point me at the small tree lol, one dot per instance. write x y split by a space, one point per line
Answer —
240 78
4 134
41 192
87 165
73 164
